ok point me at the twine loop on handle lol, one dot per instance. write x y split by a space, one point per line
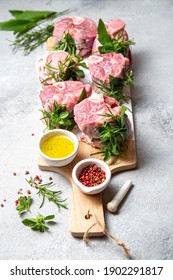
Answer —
107 233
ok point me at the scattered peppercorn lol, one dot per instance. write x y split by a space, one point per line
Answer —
32 134
14 173
28 192
92 175
38 178
50 178
16 202
26 172
2 205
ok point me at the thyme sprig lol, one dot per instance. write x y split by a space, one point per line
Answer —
66 70
45 192
116 87
112 135
118 44
67 44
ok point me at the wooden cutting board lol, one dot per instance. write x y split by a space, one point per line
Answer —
86 207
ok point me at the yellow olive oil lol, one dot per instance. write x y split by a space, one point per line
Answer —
57 146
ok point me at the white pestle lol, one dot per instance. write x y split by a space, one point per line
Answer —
113 204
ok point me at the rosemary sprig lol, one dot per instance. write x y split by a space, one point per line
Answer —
66 44
118 44
116 86
54 196
112 135
45 192
66 70
58 117
25 25
31 40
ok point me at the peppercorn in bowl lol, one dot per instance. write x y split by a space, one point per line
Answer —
91 175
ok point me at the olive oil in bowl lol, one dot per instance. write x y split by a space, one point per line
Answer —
58 147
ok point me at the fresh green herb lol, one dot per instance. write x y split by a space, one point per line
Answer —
83 95
116 87
58 117
24 203
38 223
66 44
66 70
45 192
31 40
26 28
118 45
112 135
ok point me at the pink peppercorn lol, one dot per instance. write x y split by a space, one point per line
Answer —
92 175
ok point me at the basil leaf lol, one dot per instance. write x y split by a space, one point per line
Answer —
15 13
50 217
103 35
32 15
29 222
13 25
79 73
63 115
83 64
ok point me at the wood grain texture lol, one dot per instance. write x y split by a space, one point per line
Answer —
86 207
83 204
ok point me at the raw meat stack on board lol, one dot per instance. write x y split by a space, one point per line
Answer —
80 47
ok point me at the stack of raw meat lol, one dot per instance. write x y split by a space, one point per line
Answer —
87 113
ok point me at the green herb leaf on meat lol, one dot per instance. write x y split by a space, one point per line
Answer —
69 69
83 95
116 87
66 44
118 44
58 117
103 35
112 135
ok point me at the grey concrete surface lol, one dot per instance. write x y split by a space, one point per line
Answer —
144 221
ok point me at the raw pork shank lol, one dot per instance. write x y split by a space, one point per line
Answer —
52 59
87 115
114 27
104 65
63 93
83 31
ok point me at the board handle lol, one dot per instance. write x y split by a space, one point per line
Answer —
86 211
